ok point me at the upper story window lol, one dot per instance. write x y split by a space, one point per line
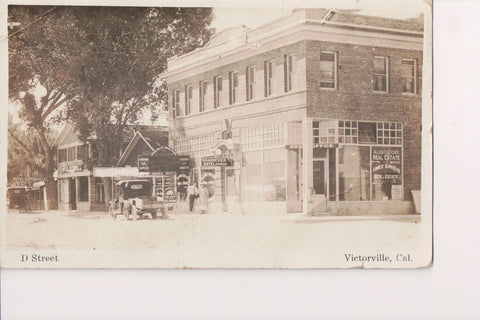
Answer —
217 91
72 153
202 93
176 103
380 74
289 62
250 82
233 87
268 77
328 70
409 76
188 99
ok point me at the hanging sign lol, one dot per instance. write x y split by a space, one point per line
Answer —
216 162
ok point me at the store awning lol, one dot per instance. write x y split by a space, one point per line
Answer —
115 172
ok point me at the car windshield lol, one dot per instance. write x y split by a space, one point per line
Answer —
137 189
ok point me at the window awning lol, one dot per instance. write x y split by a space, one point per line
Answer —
115 172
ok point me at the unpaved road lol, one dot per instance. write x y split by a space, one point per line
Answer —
94 239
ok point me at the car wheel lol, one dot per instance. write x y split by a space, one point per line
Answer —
111 210
154 214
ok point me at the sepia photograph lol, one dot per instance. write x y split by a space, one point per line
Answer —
169 136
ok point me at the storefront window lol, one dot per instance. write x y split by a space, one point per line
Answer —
367 132
354 173
295 133
195 146
252 176
275 175
324 132
264 175
347 131
267 136
389 133
386 173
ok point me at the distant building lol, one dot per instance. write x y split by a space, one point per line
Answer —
89 188
145 141
317 111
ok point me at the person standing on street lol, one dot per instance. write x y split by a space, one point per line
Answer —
192 192
203 199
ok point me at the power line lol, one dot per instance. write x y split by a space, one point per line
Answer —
29 24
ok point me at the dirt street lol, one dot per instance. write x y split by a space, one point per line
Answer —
191 240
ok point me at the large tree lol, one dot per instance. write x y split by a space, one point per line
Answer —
24 154
100 63
38 81
127 51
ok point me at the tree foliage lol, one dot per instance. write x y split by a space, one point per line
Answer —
126 50
24 153
99 65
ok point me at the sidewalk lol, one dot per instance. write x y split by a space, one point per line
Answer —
284 217
301 218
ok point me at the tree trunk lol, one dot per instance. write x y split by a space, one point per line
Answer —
51 190
50 184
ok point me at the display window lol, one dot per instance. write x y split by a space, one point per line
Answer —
264 175
354 173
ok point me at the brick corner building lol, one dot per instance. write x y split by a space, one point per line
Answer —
319 111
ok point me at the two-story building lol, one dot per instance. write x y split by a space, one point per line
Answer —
83 186
318 111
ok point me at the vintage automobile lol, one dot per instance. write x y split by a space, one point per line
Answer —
134 198
17 198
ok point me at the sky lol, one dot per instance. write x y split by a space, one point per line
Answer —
254 14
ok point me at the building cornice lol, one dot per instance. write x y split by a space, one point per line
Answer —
202 61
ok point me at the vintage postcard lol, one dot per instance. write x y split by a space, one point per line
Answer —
260 135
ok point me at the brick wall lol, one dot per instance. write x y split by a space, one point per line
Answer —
259 104
355 99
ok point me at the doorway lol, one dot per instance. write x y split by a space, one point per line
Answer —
319 177
73 194
318 195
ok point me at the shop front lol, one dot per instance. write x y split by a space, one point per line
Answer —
73 186
354 167
220 173
249 169
315 166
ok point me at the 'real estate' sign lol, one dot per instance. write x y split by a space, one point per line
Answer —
216 162
387 165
